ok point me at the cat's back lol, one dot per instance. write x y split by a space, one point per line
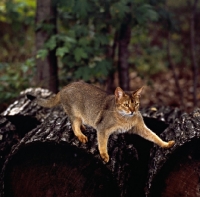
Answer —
84 88
81 92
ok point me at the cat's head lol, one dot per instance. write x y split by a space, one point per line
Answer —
127 103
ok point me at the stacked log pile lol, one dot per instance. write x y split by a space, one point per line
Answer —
40 156
176 171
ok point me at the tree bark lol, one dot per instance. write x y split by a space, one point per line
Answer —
46 69
111 55
180 174
175 171
123 54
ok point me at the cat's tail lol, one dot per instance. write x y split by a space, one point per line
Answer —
50 102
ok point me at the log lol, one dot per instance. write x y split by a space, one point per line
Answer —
42 157
46 169
176 171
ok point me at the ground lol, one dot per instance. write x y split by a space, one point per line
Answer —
161 89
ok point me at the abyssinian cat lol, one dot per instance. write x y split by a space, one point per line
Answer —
86 104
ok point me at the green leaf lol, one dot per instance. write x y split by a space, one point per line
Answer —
102 68
80 30
42 53
101 39
61 51
145 13
79 53
51 43
65 39
24 68
83 73
120 9
84 41
81 8
30 62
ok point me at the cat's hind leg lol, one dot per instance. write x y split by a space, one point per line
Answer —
77 126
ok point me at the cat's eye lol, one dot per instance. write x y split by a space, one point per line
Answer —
126 104
136 103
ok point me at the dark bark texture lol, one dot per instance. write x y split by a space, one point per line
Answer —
111 55
40 156
46 73
175 171
123 54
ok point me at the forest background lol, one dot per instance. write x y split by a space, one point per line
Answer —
126 43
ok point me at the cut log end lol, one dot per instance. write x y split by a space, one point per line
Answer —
181 173
57 170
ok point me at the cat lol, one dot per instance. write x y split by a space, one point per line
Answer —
86 104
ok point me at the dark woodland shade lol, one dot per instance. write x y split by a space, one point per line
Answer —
31 97
50 161
180 174
46 169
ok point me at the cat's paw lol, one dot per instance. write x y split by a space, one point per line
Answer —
169 144
105 157
83 139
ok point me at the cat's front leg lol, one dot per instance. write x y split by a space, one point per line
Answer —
142 130
102 138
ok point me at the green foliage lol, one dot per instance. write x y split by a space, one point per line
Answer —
16 46
42 53
14 78
147 59
16 33
18 11
144 13
61 51
99 70
79 54
120 9
86 33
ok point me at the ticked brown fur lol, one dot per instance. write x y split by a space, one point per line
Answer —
88 105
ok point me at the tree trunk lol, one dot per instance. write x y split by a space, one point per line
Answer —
46 69
111 55
123 54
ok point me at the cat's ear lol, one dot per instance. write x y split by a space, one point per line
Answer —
119 93
138 92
